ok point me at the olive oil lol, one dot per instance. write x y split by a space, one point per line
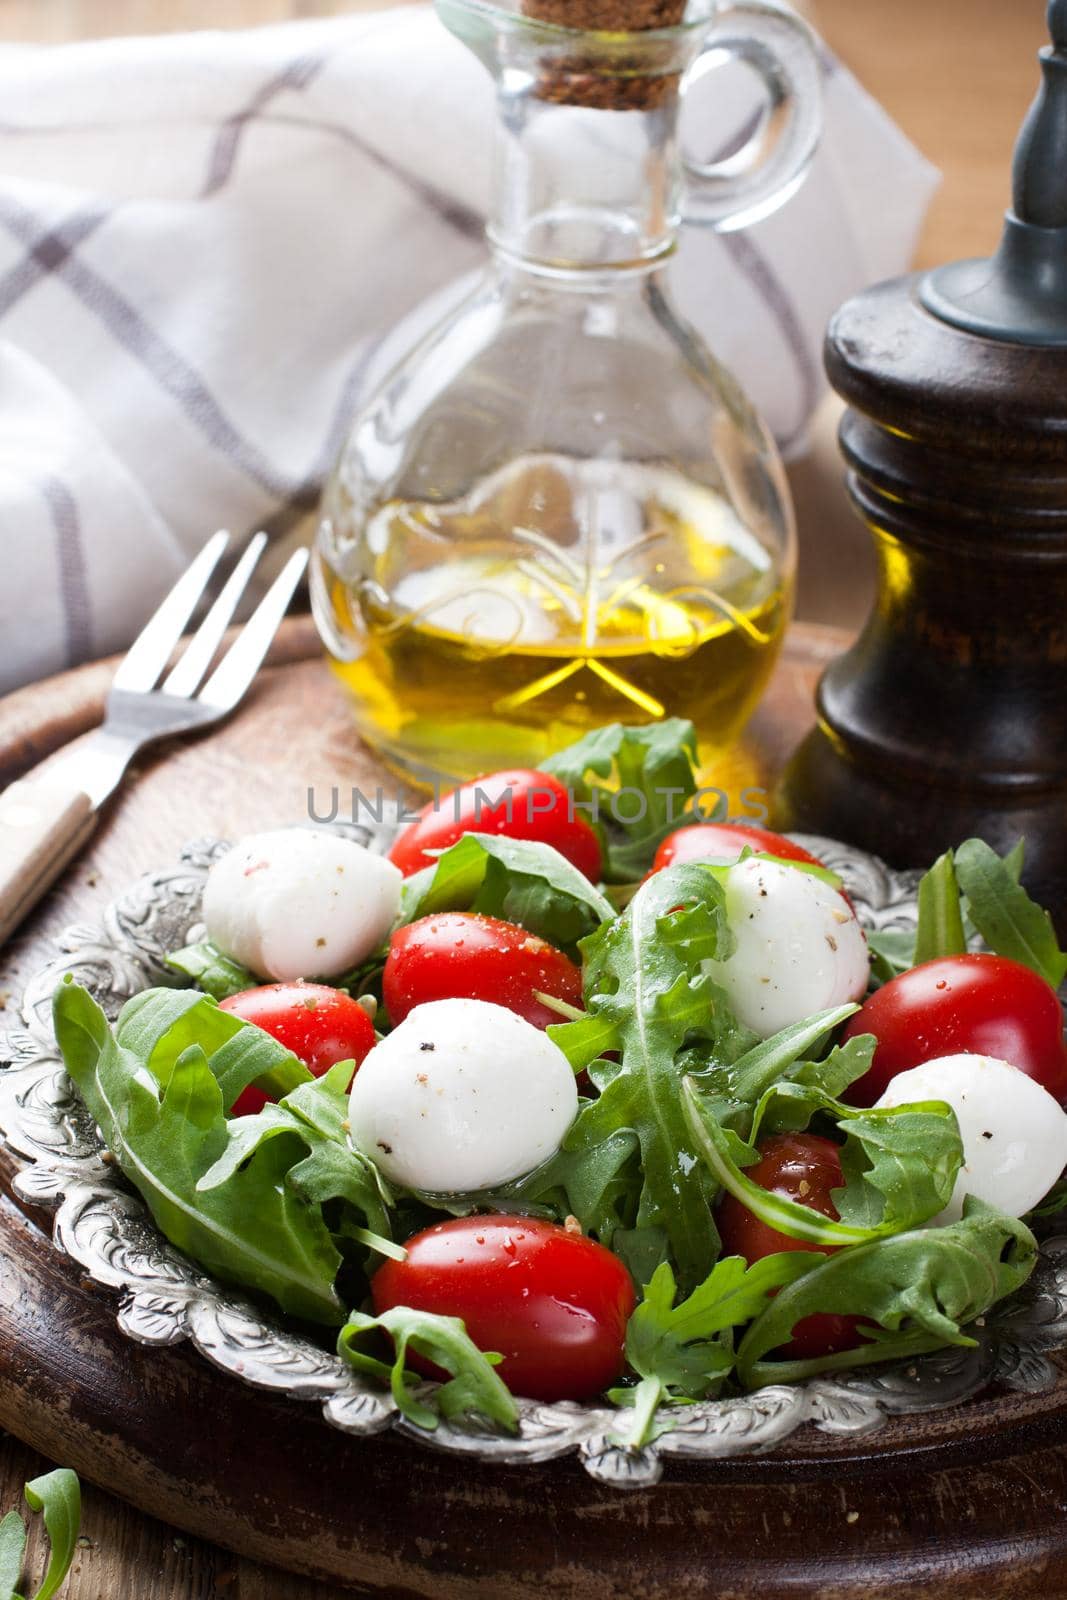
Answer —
557 596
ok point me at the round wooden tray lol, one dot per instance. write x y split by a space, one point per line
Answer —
958 1503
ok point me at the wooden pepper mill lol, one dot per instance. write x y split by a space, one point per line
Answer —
948 717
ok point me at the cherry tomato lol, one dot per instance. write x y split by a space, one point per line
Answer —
724 841
981 1004
552 1303
461 955
320 1025
518 804
804 1167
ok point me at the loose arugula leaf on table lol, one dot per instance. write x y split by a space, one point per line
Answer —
217 974
58 1495
518 880
680 1352
657 762
1008 920
919 1288
899 1162
472 1388
645 988
12 1550
157 1095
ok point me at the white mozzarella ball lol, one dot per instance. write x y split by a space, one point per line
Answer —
799 946
463 1095
1014 1133
300 903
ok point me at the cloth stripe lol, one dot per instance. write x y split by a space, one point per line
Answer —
46 255
758 271
296 75
73 576
463 218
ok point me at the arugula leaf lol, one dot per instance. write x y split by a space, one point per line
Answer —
679 1344
682 1352
316 1113
845 1064
657 761
921 1287
899 1162
733 1090
58 1495
158 1024
600 1186
892 951
217 974
641 1251
518 880
1054 1202
473 1387
12 1550
1006 918
940 929
160 1108
584 1040
643 980
1015 859
1009 921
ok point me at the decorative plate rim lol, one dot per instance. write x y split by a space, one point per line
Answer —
165 1298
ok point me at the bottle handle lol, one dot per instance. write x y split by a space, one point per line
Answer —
746 185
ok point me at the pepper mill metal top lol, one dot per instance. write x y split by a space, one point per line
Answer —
1020 293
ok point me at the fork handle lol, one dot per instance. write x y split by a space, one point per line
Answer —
43 825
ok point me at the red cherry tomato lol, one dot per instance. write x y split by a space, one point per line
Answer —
724 841
461 955
518 803
980 1004
804 1167
554 1304
320 1025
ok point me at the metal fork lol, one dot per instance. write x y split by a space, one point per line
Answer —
46 818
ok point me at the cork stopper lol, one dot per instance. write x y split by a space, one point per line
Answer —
607 16
618 84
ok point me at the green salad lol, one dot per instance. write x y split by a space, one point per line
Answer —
578 1093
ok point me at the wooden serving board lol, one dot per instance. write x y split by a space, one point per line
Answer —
957 1504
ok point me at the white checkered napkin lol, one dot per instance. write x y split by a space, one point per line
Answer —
207 242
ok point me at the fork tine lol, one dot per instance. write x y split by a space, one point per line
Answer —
151 650
200 651
242 660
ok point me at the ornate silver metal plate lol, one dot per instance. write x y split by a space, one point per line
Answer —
165 1298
